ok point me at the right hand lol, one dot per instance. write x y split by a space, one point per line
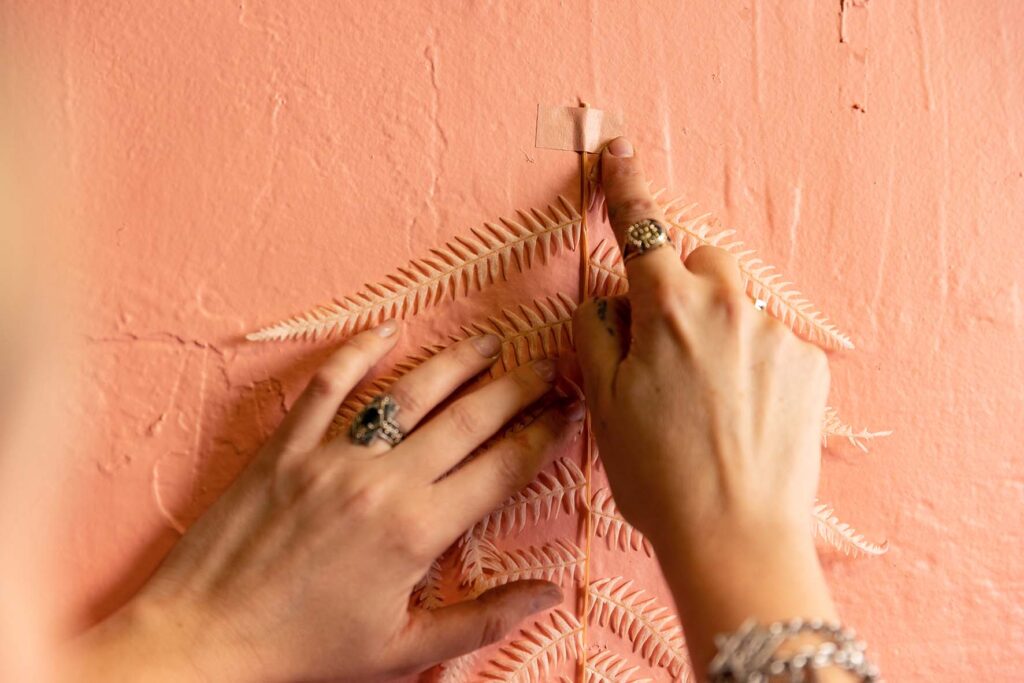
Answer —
707 414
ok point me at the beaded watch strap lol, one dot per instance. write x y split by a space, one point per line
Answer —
748 655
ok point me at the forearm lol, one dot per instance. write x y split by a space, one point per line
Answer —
746 571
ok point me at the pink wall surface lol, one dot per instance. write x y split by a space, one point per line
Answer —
233 163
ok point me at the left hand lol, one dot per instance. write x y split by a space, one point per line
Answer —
303 569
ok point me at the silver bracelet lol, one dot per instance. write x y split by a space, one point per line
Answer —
748 655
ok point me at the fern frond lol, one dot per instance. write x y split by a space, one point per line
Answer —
763 282
541 648
607 274
832 426
607 667
652 629
552 561
540 329
463 265
459 669
541 500
842 536
611 526
472 558
429 592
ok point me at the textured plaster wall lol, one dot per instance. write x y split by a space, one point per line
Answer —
231 163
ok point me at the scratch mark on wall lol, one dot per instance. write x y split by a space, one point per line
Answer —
844 7
882 250
922 44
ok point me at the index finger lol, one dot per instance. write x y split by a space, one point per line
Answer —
629 202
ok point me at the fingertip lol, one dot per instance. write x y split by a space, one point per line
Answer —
388 328
619 147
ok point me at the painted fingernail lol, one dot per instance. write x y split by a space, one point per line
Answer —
387 328
488 345
620 147
545 599
545 369
573 410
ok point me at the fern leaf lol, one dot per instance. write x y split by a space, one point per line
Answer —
607 274
611 526
652 629
607 667
429 593
472 559
832 426
540 329
540 649
552 561
763 281
463 265
541 500
842 536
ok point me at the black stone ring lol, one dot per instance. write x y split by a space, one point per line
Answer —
376 419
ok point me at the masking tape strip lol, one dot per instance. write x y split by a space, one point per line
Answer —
577 129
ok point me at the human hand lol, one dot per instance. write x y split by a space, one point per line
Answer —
707 414
303 569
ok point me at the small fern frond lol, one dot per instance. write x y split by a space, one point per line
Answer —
552 561
463 265
652 629
541 500
607 274
607 667
459 669
612 527
472 558
842 536
540 329
540 649
429 591
832 426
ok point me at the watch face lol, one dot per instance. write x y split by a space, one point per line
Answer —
646 234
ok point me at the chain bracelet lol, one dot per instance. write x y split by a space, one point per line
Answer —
748 655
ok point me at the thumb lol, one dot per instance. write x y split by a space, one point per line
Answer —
600 332
451 631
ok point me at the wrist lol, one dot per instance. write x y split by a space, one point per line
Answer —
144 642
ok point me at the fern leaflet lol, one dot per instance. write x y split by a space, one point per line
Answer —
540 649
652 629
842 536
465 264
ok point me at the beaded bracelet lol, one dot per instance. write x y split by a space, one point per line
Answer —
748 655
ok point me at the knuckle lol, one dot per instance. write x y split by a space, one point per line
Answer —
464 418
329 382
362 499
414 534
496 624
509 469
628 208
664 296
405 398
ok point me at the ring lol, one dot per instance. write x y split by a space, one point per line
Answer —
642 237
377 420
760 304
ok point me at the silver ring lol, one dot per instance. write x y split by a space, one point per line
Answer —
642 237
760 304
377 420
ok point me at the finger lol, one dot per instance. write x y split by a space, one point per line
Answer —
600 331
503 469
305 425
444 441
445 633
629 200
717 265
420 390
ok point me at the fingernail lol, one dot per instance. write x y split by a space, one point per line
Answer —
620 147
387 328
545 599
573 410
545 369
488 345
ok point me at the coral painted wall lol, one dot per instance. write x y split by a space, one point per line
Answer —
232 163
